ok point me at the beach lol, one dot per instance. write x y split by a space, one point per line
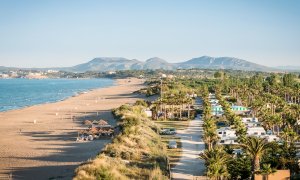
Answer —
39 142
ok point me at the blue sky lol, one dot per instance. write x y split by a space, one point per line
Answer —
63 33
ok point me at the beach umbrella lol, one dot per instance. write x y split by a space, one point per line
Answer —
87 122
95 122
102 122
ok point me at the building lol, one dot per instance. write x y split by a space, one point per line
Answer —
251 122
214 102
228 140
217 110
148 113
226 132
256 131
211 96
271 138
239 108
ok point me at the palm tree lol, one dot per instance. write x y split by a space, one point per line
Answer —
289 136
216 160
266 171
210 138
255 147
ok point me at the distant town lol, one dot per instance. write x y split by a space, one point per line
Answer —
39 74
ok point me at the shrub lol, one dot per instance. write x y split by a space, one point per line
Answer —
136 153
141 103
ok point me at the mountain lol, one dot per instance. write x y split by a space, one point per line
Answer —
157 63
289 68
208 62
204 62
119 63
107 64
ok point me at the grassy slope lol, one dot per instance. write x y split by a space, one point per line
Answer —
136 153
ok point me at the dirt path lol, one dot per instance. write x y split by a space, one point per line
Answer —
190 165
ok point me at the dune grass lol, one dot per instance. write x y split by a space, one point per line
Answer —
136 153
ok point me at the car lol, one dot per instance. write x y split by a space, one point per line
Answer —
172 144
169 131
164 131
172 131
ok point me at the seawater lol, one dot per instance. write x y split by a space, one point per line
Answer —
19 93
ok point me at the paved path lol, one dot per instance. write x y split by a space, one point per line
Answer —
190 165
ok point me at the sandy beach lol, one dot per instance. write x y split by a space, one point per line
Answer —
47 149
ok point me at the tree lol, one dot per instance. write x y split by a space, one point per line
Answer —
288 80
216 161
218 75
266 171
289 136
210 137
239 167
255 147
272 79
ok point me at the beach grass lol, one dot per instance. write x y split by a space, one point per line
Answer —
136 153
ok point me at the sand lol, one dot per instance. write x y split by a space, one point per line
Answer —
47 149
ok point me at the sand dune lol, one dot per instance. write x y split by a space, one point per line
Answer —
48 149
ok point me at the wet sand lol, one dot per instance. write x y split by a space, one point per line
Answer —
47 149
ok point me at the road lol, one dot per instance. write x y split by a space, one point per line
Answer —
189 164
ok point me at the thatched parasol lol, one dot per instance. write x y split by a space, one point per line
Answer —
102 122
95 122
87 122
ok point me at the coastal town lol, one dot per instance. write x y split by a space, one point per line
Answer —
195 123
6 73
150 90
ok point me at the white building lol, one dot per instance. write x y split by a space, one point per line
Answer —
251 122
148 113
227 136
211 96
111 72
228 140
256 131
271 138
226 132
214 102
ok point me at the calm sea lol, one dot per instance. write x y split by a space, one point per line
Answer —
18 93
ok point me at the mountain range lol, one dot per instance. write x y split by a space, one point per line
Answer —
289 68
204 62
102 64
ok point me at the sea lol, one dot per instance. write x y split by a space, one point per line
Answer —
19 93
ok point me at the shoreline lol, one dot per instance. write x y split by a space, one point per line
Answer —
48 149
75 94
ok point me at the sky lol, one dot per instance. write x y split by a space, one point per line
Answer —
57 33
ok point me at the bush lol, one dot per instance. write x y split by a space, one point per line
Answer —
141 103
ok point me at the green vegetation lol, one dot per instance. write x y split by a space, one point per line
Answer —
273 98
256 148
136 153
140 153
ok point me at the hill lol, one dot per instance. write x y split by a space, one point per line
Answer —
119 63
289 68
208 62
